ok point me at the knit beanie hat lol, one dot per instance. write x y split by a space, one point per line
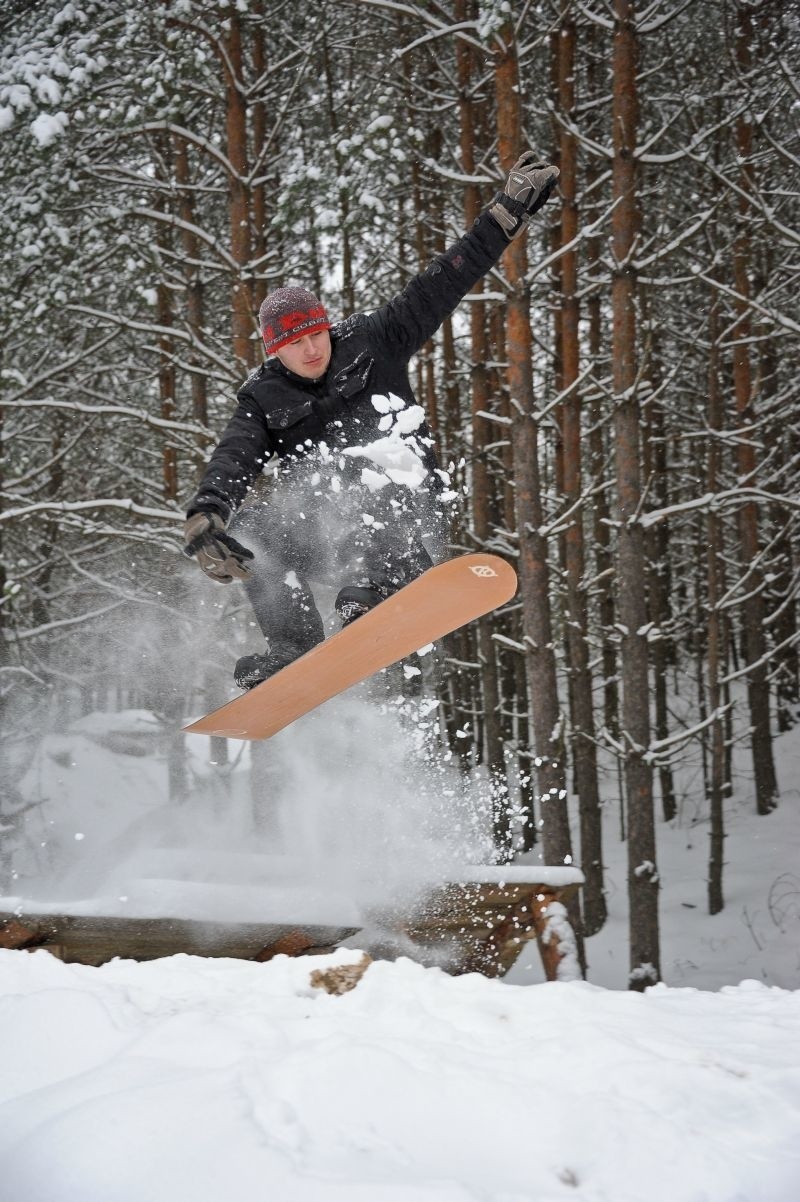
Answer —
288 313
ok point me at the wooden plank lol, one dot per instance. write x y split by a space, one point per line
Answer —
97 939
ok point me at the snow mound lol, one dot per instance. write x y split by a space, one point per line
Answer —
47 127
198 1079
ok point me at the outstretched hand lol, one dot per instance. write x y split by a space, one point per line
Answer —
219 555
528 187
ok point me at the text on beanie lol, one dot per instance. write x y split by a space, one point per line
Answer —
288 313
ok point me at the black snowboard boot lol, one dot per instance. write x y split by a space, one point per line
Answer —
251 670
354 601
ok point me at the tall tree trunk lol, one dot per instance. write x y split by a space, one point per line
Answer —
601 513
166 344
7 700
755 643
259 126
451 432
458 685
195 301
654 458
166 387
5 599
534 573
527 775
244 346
782 448
449 422
642 872
583 738
348 290
715 633
494 751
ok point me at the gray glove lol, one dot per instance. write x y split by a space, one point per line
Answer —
219 555
528 187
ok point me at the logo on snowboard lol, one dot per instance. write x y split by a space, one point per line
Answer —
483 569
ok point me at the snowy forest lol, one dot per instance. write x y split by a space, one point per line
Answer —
617 403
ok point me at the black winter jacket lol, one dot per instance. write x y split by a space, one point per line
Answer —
278 411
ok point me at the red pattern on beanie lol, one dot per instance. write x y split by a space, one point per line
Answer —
289 313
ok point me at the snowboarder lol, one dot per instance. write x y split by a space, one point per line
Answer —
328 398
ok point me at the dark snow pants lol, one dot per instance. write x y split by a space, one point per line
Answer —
352 538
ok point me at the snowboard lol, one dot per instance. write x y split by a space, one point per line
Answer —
439 601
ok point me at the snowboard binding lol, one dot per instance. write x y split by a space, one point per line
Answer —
354 601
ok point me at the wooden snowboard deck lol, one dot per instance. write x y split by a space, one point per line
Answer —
435 604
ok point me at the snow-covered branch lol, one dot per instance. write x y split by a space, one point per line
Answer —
139 415
68 507
717 500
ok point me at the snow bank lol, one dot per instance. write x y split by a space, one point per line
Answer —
198 1079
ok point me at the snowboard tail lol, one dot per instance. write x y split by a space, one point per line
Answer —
438 602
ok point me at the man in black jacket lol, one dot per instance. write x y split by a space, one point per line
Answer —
356 489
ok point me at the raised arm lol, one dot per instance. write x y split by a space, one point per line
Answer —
414 315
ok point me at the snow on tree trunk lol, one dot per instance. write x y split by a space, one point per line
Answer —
559 945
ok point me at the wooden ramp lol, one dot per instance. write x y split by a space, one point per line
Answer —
482 926
464 926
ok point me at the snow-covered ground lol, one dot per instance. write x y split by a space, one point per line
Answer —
757 934
330 835
193 1080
